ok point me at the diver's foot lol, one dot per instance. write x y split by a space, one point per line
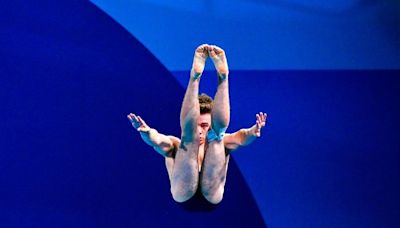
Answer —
218 57
199 60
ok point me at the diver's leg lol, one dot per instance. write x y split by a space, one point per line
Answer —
221 109
184 177
216 161
213 175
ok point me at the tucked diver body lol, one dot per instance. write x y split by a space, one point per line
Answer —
199 158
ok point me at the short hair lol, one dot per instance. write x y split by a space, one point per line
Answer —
206 103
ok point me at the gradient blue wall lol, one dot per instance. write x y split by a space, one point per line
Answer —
285 34
319 129
326 73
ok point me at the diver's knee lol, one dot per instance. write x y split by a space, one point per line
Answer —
214 197
181 195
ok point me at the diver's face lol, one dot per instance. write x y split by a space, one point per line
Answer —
203 125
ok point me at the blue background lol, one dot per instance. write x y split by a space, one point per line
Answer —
326 73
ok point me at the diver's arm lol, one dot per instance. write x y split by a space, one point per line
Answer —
163 144
245 136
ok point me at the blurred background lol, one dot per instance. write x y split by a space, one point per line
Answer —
327 74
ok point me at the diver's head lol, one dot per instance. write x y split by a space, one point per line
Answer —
204 121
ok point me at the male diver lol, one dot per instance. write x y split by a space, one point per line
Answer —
198 160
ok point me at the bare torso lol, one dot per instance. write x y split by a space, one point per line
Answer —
200 156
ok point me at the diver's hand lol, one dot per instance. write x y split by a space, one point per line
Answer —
138 123
261 119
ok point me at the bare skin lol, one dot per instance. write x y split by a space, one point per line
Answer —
192 162
216 161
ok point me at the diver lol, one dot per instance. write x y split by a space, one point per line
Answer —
198 160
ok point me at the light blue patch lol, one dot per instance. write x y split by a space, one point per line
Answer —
212 135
